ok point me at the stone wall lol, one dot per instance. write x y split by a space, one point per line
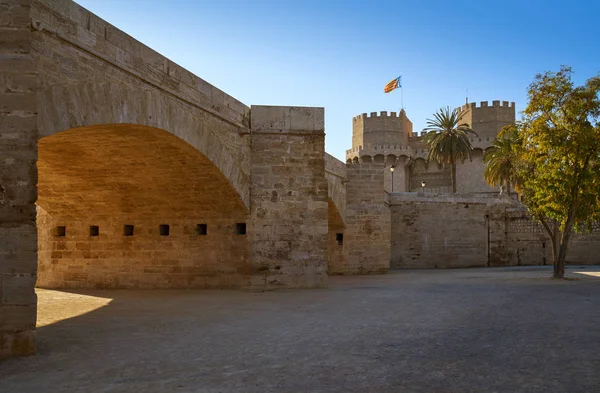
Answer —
367 234
18 178
438 231
469 174
443 231
198 252
111 176
336 260
289 197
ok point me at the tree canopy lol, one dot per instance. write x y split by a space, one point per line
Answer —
557 157
448 139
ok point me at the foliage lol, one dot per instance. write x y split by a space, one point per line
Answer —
502 159
448 139
558 157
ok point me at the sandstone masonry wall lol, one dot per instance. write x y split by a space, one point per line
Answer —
18 178
185 258
444 231
368 231
289 207
429 232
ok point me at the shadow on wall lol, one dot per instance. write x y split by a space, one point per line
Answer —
127 206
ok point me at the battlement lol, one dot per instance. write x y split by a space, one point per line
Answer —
382 114
486 104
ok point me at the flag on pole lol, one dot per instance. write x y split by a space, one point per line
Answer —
396 83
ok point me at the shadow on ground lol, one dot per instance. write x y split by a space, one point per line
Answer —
471 330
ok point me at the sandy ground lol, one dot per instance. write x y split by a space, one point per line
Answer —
471 330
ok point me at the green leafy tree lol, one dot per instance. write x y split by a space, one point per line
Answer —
559 163
503 158
448 139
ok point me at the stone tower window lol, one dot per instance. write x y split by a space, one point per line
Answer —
339 238
94 230
164 229
201 229
61 231
240 228
128 230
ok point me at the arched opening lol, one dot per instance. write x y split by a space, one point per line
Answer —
390 159
379 159
127 206
477 154
336 260
436 177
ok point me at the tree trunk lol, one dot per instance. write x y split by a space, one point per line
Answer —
555 251
559 270
453 175
559 265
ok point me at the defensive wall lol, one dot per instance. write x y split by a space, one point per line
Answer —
474 230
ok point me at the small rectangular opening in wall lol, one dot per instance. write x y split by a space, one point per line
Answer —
94 230
61 231
163 229
240 228
339 238
201 229
128 230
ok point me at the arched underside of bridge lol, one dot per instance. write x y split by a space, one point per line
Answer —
126 206
335 240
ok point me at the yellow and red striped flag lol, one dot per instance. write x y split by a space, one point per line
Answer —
393 85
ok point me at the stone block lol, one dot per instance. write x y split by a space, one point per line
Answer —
17 343
285 118
18 289
15 42
17 318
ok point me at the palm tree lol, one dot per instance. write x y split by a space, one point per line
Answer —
502 159
448 139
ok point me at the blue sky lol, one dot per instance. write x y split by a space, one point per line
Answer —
340 54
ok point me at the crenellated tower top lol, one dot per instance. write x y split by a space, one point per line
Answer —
381 128
487 120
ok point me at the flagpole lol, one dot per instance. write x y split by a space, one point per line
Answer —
401 94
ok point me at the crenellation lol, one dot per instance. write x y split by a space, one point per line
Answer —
496 103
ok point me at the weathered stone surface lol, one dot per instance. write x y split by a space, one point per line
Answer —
289 194
441 231
367 230
18 178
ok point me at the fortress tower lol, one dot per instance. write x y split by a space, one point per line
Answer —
389 140
382 129
487 121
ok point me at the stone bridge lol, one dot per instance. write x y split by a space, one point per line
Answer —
121 169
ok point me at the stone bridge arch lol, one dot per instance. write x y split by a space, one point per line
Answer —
88 105
129 206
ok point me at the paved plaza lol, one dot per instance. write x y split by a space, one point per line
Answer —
473 330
